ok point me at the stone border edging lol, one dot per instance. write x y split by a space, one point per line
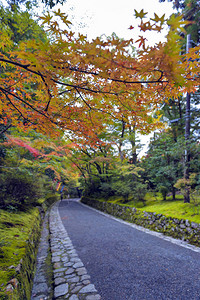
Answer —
148 231
184 230
71 280
41 286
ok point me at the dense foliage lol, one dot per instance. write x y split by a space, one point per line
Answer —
70 106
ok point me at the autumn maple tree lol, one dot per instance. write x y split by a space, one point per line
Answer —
71 84
63 83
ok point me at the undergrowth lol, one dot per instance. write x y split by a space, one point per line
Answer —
15 228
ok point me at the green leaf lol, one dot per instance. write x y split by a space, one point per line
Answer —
140 14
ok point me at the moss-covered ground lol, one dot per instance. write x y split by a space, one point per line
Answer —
15 228
155 203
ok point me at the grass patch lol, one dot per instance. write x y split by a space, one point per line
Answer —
15 228
176 209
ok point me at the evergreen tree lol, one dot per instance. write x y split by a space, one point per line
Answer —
191 12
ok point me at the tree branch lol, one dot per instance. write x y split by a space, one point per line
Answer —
75 69
14 106
5 129
28 104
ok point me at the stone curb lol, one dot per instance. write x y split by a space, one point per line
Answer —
41 287
145 221
71 280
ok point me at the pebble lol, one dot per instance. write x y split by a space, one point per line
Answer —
59 280
61 290
73 297
88 289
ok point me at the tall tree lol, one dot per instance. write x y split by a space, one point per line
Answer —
164 162
191 12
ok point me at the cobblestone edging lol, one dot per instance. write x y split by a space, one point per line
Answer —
71 280
42 287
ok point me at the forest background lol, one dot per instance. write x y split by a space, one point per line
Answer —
71 109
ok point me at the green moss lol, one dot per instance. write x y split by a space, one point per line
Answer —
49 273
18 234
154 203
176 209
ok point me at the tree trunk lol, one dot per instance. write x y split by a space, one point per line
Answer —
187 137
133 145
187 149
173 193
121 155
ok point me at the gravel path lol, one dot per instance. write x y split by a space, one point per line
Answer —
128 264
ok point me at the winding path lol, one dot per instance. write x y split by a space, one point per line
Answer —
128 264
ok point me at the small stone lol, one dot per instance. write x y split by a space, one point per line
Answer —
58 274
57 265
18 268
40 297
73 297
81 271
72 286
67 243
41 287
58 253
187 223
55 259
59 280
93 297
77 289
14 282
78 265
190 230
73 280
88 289
75 259
85 277
69 271
64 259
11 267
9 288
85 282
73 255
69 264
61 290
194 225
182 226
59 270
72 252
70 276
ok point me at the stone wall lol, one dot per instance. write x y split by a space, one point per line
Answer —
19 288
177 228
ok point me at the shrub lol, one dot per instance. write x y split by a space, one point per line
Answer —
163 190
122 188
19 189
140 191
106 190
51 198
